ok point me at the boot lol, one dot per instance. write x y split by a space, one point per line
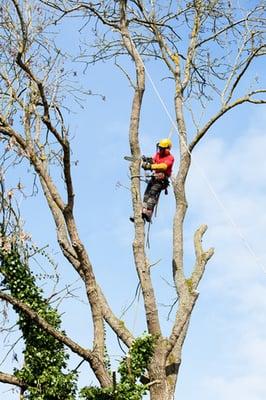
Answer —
146 214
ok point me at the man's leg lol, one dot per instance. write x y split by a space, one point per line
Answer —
151 197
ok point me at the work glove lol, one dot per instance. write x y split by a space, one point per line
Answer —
146 166
147 159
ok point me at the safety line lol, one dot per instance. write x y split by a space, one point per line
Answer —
209 185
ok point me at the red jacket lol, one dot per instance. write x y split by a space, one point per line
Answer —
168 160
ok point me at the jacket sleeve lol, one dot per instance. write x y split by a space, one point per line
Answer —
159 167
168 162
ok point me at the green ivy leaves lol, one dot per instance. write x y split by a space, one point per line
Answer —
45 358
131 368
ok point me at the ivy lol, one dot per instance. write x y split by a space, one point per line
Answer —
131 368
44 356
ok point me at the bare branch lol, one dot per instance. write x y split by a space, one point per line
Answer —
193 43
83 6
181 321
202 257
223 30
12 380
247 64
246 99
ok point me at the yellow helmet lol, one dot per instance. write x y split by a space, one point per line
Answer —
165 143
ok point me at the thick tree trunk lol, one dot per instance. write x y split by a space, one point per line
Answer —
162 375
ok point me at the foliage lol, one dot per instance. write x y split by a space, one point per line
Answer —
131 368
45 357
135 364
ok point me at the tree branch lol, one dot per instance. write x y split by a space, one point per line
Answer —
92 357
192 45
181 321
83 6
224 110
254 54
202 257
221 31
12 380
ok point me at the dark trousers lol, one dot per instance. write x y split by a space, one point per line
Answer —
152 194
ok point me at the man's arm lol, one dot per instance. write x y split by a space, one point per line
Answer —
161 167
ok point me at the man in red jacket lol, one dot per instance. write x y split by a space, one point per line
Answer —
161 165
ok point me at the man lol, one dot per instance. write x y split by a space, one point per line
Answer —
161 165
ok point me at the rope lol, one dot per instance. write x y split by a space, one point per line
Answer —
209 185
171 132
136 309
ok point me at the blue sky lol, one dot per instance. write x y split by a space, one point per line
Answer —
224 354
229 321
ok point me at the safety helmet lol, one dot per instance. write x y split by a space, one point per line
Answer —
165 143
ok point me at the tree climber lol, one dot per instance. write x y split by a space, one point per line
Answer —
161 164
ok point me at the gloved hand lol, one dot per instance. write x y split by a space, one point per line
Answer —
147 159
146 166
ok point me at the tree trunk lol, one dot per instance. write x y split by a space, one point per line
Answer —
162 376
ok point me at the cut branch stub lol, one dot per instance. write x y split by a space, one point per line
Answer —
202 257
